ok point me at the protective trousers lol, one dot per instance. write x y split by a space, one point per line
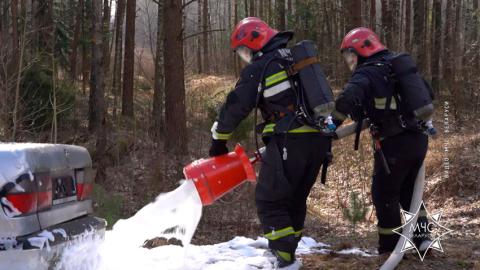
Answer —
404 153
289 169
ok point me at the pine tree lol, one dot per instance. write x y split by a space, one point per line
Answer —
356 211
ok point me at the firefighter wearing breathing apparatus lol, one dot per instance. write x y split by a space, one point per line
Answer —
278 81
386 88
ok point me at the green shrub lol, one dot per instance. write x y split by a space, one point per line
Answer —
356 211
107 205
37 98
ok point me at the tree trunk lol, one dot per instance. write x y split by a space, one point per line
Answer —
436 45
97 94
235 18
261 10
373 15
85 61
157 111
280 8
252 9
245 6
175 112
476 34
408 29
129 60
199 38
270 16
205 45
387 25
14 72
76 39
419 33
450 39
117 59
106 40
354 14
97 75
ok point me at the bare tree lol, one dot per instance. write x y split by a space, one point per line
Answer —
205 43
199 39
97 91
158 98
419 32
175 112
76 39
129 60
280 8
118 55
354 14
436 44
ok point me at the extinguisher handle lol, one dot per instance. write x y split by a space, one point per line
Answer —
258 155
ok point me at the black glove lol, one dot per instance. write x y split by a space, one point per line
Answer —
218 148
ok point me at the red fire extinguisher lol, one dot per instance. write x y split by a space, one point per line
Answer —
217 176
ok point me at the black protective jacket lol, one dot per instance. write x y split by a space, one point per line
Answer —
270 62
367 93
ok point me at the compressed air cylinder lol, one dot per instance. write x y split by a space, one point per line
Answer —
414 93
318 94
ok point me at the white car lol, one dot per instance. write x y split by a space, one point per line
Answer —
45 203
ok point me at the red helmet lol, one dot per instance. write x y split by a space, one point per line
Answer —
252 33
362 41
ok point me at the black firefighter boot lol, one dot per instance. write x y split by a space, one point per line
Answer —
421 235
284 259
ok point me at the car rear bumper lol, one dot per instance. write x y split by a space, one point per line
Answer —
40 250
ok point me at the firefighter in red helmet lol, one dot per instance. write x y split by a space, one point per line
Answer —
400 141
291 163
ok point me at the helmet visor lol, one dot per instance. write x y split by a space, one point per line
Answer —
351 59
245 53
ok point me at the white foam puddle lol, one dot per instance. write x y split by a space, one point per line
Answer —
174 214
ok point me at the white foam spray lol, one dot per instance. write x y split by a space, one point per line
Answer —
172 215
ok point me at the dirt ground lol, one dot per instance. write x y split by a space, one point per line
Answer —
458 254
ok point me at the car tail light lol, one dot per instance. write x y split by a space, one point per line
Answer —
26 203
29 195
84 179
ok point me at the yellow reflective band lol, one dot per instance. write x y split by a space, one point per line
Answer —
298 233
284 255
268 128
274 235
381 103
303 129
221 136
275 78
385 231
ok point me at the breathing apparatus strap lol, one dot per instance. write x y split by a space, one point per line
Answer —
393 95
294 69
326 163
358 127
